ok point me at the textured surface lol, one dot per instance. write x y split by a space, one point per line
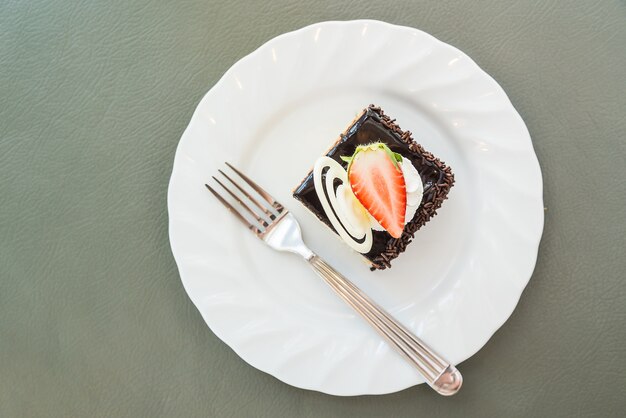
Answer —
93 100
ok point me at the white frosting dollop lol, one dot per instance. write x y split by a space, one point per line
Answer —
414 193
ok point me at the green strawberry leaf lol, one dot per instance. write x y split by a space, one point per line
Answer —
393 156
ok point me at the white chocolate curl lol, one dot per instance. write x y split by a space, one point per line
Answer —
351 221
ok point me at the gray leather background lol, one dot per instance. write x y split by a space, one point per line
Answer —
94 96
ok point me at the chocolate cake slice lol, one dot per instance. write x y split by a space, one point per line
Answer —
375 133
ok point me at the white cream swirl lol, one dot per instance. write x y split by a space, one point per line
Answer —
344 211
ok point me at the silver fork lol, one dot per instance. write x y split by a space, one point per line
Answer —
279 229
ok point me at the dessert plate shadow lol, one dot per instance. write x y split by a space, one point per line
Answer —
278 109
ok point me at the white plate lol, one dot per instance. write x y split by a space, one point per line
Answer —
272 114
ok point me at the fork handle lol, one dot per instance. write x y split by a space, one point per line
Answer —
442 376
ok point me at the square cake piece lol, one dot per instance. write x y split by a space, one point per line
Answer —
375 187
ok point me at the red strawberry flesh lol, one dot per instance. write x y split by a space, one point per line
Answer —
378 183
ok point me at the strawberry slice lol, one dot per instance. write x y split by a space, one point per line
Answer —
377 182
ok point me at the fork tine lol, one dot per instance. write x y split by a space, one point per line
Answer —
235 212
242 203
268 197
249 196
